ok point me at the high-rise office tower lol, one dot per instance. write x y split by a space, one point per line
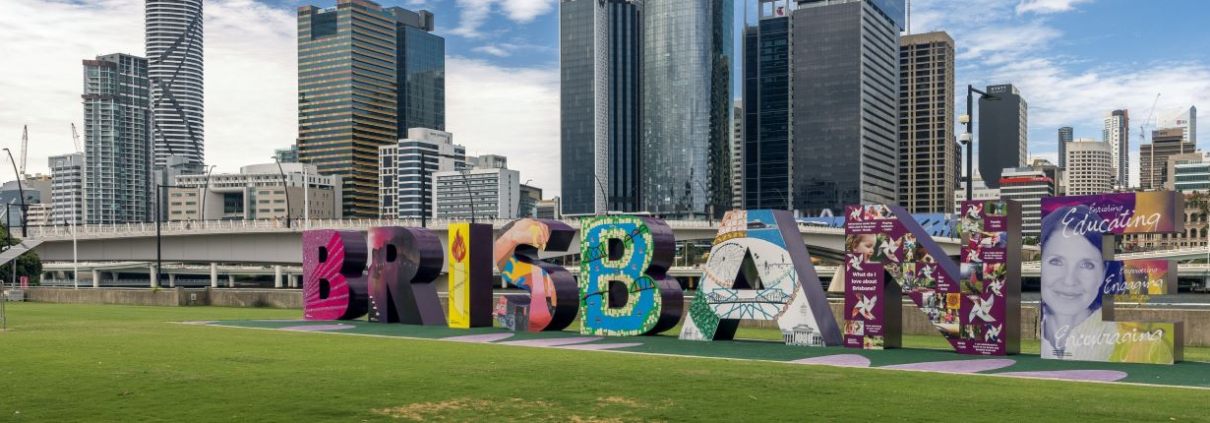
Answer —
1003 132
928 157
174 65
1066 135
1184 118
1028 185
845 103
767 152
600 55
1153 157
420 72
1117 135
68 179
686 119
117 139
353 69
1089 168
737 156
407 169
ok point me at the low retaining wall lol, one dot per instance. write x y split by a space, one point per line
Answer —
148 297
272 298
1197 322
169 297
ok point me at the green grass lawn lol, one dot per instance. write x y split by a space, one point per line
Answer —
121 363
939 343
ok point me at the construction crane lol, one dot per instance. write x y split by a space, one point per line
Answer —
24 148
1143 140
76 137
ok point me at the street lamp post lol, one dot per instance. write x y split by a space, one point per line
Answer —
159 239
709 207
424 177
205 191
605 195
285 186
968 138
469 195
20 191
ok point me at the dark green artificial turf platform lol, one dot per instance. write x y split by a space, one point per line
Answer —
1186 374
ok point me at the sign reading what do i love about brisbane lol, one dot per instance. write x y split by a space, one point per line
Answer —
758 268
975 305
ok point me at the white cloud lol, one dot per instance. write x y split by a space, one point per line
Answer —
42 83
1048 6
474 13
250 73
493 50
251 82
1061 89
523 11
508 111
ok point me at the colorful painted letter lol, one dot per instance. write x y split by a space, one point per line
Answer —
1080 278
470 275
333 285
976 306
551 304
404 263
624 286
759 269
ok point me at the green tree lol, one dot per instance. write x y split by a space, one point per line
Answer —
27 265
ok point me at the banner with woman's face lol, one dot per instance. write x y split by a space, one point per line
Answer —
1080 279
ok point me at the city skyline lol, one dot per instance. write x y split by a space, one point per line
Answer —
503 68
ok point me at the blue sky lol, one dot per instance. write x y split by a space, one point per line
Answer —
1074 60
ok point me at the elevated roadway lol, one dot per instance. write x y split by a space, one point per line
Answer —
268 242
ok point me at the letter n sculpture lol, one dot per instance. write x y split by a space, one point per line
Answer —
759 269
976 305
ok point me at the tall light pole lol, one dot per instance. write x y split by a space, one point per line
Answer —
605 195
285 186
709 207
424 177
306 199
205 192
20 191
968 138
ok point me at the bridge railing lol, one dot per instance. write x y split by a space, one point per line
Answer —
60 231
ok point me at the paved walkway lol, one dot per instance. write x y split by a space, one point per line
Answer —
1187 374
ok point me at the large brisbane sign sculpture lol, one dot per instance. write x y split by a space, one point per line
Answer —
759 269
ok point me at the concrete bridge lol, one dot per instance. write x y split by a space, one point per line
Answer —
269 242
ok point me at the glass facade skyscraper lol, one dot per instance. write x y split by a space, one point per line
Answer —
117 139
174 55
685 154
352 72
421 72
1003 130
600 52
1117 134
845 103
766 120
1066 135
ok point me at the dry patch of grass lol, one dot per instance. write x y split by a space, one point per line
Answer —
425 410
463 409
